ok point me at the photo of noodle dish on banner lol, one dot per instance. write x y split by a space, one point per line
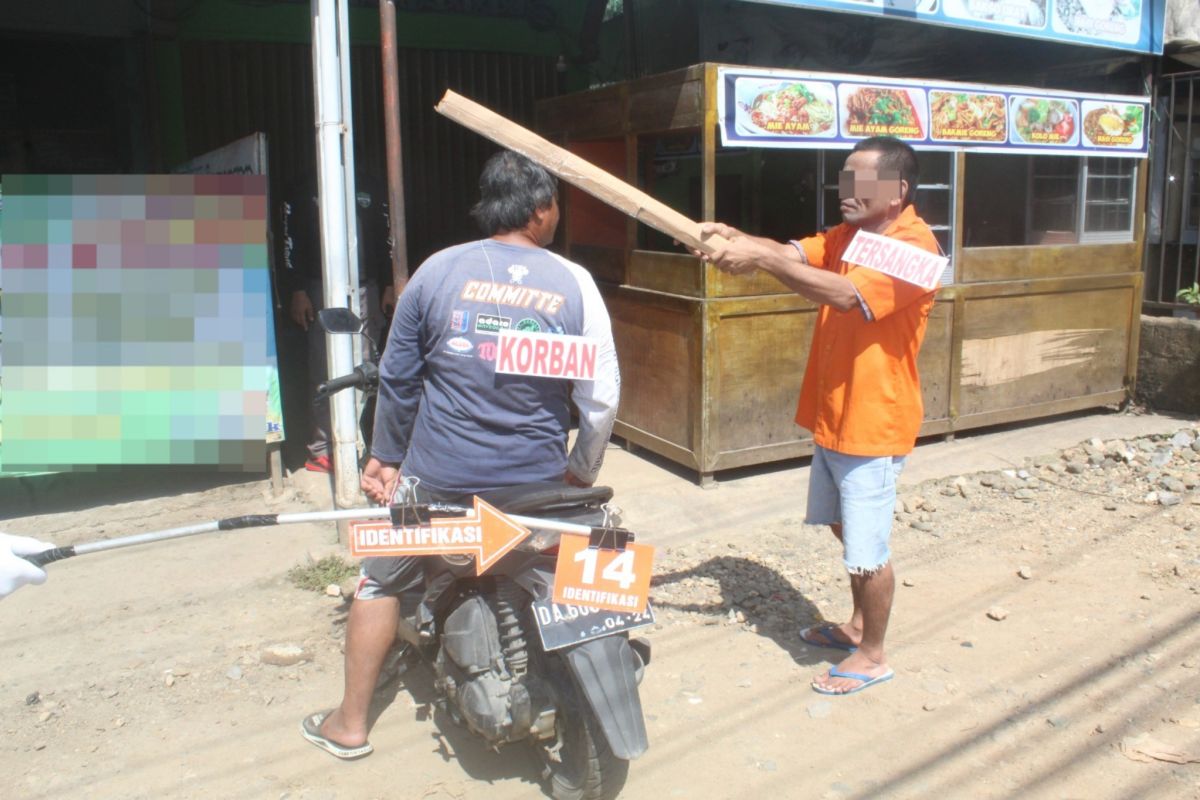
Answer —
1113 125
771 107
956 116
1044 120
882 111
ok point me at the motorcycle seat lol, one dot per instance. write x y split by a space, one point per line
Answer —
545 497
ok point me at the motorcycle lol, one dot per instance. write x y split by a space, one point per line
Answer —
510 664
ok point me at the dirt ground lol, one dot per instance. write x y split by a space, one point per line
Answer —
1044 640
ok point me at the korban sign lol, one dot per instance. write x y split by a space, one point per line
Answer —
484 533
898 259
547 355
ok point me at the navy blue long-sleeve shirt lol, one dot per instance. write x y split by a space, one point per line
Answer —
446 415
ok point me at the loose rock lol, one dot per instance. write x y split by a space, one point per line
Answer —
1025 572
997 613
284 655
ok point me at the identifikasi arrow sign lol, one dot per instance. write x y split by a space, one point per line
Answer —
485 533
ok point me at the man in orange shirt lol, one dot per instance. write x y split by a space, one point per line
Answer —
861 395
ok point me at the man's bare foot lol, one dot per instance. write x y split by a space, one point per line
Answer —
857 663
840 637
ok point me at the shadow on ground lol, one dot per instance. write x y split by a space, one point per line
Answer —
763 596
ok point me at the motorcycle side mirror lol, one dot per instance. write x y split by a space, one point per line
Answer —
339 320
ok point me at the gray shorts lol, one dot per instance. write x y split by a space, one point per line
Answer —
392 576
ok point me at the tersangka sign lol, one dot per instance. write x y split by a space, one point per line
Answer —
898 259
776 108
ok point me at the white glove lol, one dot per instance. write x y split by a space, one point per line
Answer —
15 571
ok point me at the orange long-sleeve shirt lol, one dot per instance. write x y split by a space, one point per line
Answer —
861 393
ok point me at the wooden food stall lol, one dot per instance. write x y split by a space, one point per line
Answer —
1040 211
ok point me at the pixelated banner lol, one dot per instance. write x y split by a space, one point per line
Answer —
137 321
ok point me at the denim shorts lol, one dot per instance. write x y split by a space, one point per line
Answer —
858 492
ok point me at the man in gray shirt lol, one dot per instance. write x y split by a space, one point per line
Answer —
446 416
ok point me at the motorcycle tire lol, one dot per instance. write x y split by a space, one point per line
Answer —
586 768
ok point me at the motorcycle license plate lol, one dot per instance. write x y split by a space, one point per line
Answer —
562 625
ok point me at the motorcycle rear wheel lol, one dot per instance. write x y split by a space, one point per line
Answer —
587 768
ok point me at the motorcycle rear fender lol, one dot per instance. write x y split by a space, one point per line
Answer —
605 671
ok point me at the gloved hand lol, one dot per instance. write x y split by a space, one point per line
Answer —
15 571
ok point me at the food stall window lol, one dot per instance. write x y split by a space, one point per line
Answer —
1109 188
765 192
1047 200
1053 200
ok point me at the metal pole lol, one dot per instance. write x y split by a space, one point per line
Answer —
391 124
335 246
268 520
346 102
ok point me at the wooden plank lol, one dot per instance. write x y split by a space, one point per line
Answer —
1039 410
1020 288
956 338
977 264
934 361
656 444
675 273
658 349
764 454
578 172
666 101
960 182
758 282
678 106
1135 336
708 145
1031 350
757 361
592 114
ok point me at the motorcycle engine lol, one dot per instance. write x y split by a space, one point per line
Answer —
476 677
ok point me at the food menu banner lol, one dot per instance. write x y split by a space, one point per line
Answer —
1121 24
772 108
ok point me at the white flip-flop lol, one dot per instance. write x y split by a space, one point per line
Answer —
310 728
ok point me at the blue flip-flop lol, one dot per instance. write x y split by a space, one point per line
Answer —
825 632
867 681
